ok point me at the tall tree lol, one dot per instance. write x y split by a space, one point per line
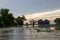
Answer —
7 17
19 21
11 19
32 21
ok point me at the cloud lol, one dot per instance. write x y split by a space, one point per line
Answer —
45 15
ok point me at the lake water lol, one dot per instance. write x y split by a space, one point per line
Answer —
17 33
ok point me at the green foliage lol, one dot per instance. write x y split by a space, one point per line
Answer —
23 17
1 22
32 21
20 20
57 27
57 21
6 18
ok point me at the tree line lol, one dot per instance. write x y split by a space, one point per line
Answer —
8 20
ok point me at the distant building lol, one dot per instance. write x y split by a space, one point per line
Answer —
40 23
46 23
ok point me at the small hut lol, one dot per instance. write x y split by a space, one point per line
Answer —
46 23
40 23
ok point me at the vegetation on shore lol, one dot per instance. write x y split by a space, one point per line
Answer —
7 20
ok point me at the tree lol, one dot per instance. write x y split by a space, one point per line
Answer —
11 19
1 22
23 17
32 21
20 20
57 21
7 18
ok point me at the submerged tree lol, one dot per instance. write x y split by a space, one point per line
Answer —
32 21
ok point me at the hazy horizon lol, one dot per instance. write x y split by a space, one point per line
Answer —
44 15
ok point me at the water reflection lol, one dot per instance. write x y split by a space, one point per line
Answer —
4 35
27 34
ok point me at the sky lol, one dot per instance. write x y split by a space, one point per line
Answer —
23 7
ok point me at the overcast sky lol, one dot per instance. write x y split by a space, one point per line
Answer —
21 7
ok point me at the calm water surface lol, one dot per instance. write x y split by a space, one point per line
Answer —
18 33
